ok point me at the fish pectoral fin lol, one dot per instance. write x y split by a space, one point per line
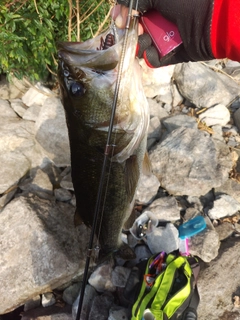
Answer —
131 175
77 218
146 165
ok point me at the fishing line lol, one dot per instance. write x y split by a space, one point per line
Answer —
104 165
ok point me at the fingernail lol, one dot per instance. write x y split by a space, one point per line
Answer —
119 21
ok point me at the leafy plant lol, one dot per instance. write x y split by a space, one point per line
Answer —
30 30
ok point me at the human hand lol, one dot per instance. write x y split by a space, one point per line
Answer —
193 20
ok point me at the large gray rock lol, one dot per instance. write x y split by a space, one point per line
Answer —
219 283
51 132
179 120
40 249
190 162
203 86
16 148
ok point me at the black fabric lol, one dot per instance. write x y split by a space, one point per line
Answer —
193 19
190 314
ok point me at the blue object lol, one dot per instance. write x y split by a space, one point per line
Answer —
192 227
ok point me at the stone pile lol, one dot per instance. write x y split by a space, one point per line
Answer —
194 148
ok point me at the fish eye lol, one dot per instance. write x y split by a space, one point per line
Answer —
77 89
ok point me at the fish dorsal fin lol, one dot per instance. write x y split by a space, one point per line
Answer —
146 165
131 175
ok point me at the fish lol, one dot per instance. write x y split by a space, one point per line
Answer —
87 75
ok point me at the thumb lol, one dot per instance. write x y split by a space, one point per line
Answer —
146 50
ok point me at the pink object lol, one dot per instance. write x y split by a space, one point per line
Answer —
183 247
163 32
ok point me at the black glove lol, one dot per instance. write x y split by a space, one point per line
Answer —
193 19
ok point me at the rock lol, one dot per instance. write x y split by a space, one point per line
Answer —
6 110
230 187
32 113
62 194
230 129
118 313
218 283
51 123
33 303
156 109
48 299
212 87
142 253
179 120
224 230
157 82
191 213
70 293
223 206
12 89
89 295
101 278
39 181
218 133
205 244
53 172
5 198
216 115
163 239
154 130
36 95
190 162
236 117
49 313
40 249
165 208
66 182
18 106
147 188
120 276
17 149
100 306
10 172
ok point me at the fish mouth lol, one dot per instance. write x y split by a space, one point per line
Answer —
74 56
96 54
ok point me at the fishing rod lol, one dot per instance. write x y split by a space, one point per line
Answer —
104 165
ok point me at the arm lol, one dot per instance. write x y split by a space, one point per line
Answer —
209 29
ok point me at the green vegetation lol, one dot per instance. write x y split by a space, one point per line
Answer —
30 30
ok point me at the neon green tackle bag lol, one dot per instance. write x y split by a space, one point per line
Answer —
168 289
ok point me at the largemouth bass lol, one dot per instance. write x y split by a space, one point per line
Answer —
87 76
